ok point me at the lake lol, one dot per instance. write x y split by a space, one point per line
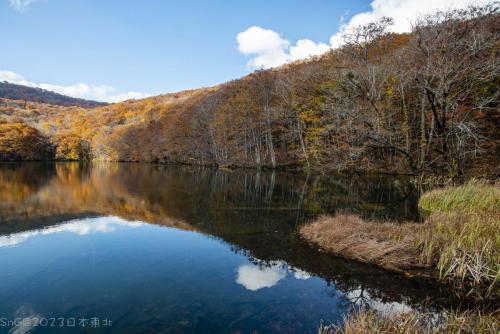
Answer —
141 248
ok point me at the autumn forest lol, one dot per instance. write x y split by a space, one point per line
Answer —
422 102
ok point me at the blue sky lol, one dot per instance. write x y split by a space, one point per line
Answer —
114 47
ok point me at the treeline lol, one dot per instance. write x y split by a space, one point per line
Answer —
20 92
427 101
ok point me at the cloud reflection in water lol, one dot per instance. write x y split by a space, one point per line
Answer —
78 226
255 277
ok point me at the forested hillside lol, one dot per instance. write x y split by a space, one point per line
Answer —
20 92
427 101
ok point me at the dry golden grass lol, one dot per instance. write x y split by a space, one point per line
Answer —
369 321
386 244
459 242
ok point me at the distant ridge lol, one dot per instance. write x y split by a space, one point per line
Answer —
20 92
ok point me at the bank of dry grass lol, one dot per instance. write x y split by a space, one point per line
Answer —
458 243
369 321
387 244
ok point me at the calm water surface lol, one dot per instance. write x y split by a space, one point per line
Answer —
159 249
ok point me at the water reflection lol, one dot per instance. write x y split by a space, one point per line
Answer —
28 318
362 298
266 275
254 277
78 226
252 214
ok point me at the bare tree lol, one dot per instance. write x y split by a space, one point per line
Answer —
264 88
455 60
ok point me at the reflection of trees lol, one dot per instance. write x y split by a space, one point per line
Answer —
75 190
359 297
256 213
17 183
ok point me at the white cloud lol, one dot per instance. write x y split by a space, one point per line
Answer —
80 90
258 40
254 277
306 48
21 5
269 49
403 12
267 45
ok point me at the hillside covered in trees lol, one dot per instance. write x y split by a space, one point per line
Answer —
423 102
20 92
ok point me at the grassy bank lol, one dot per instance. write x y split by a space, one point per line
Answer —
369 321
459 242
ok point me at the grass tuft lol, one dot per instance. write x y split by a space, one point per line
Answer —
369 321
469 198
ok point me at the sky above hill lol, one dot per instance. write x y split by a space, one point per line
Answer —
112 50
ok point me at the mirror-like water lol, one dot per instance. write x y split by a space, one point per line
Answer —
136 248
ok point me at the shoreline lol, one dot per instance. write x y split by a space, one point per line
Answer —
435 178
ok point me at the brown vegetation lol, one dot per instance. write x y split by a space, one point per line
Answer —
406 103
460 246
389 245
21 142
71 147
369 321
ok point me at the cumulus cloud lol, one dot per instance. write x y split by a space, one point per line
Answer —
269 49
403 12
21 5
306 48
267 46
80 90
